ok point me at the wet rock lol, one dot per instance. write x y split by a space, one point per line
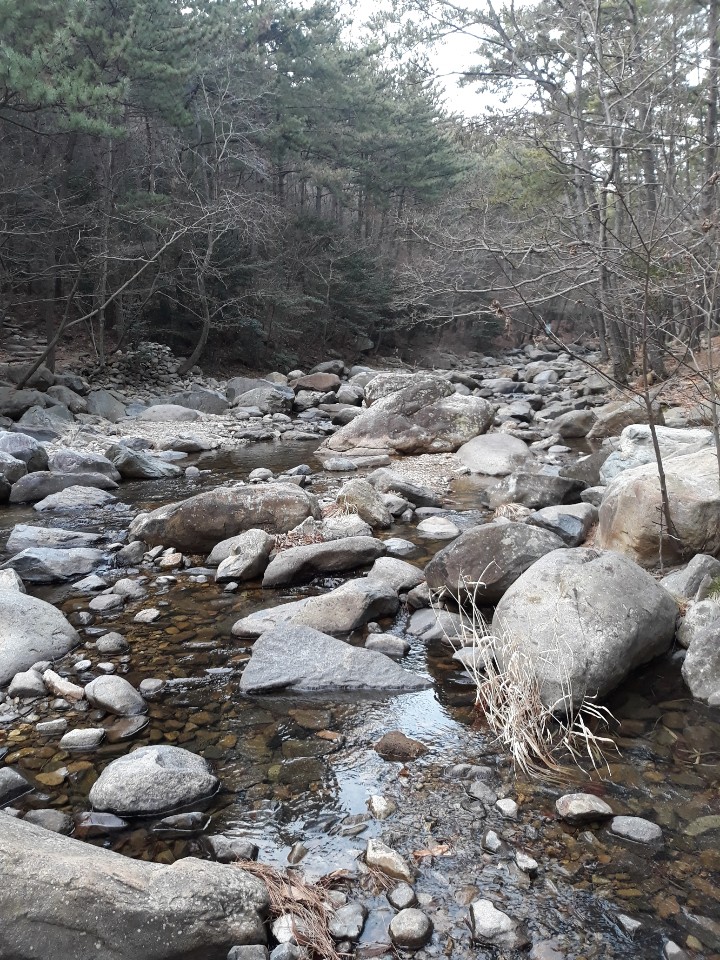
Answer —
381 807
387 481
526 863
508 808
289 951
438 528
112 643
348 607
255 952
196 525
249 557
410 929
637 829
130 904
396 746
152 780
32 630
62 687
50 728
479 790
571 523
701 666
534 490
12 785
397 547
75 498
388 644
429 624
151 687
48 565
362 498
381 857
347 922
492 926
150 615
494 454
41 485
230 849
547 950
82 740
53 820
27 685
301 563
402 896
493 556
399 574
301 659
629 924
585 619
579 808
706 929
699 616
492 842
115 695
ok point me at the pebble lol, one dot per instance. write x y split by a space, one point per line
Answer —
671 951
82 665
49 728
106 667
411 929
582 808
508 808
526 863
106 602
149 615
636 829
112 643
150 687
381 807
492 842
402 896
347 922
383 858
490 925
82 740
629 924
482 792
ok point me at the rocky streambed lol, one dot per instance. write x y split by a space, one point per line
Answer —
393 784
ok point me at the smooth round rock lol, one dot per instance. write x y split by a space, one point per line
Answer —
438 528
411 928
115 695
636 829
582 808
53 820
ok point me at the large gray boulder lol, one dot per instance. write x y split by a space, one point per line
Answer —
685 583
302 563
67 460
361 497
138 465
25 448
32 630
303 660
196 525
485 561
101 403
68 398
24 536
153 780
636 448
14 403
48 565
255 624
426 416
202 399
701 666
249 557
612 419
388 481
11 468
631 520
118 908
271 399
348 607
494 454
168 413
15 372
583 619
41 484
534 490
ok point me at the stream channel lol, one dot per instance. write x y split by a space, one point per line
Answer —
299 771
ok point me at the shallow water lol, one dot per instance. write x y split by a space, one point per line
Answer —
296 768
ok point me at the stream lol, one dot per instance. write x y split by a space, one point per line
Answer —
296 773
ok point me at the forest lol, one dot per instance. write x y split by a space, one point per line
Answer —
251 179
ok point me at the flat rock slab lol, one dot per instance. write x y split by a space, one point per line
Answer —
120 909
301 659
302 563
48 565
637 829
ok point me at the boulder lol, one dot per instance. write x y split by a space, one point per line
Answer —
11 469
494 454
101 403
574 424
27 684
115 695
273 398
42 379
68 398
66 460
300 659
399 574
322 382
9 580
196 525
424 417
298 564
684 584
25 448
201 399
168 413
584 619
12 785
701 666
75 498
636 447
14 403
698 618
534 490
387 481
382 385
120 908
23 537
259 622
249 557
348 607
612 419
587 469
41 484
571 523
492 557
631 520
153 780
32 630
137 465
362 498
48 565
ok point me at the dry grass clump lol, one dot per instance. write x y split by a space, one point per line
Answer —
309 904
539 738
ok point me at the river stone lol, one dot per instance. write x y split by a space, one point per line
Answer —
62 687
701 666
27 684
394 745
112 643
75 498
388 861
612 419
636 829
24 536
14 403
200 398
25 448
300 659
579 808
399 574
152 780
571 523
490 925
249 557
584 619
259 622
493 556
11 468
68 398
101 403
121 908
347 922
574 423
348 607
67 460
302 563
196 525
53 820
410 929
534 490
426 416
685 583
32 630
438 528
9 580
387 481
47 565
12 785
494 454
636 447
115 695
362 498
82 740
42 484
705 929
630 513
402 896
397 547
388 644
